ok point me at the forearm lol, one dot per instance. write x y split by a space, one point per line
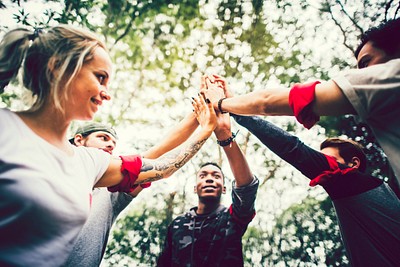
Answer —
169 163
285 145
175 137
237 161
262 102
136 191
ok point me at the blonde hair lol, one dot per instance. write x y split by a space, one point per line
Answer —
51 59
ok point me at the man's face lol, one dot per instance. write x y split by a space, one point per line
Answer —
209 182
370 55
100 139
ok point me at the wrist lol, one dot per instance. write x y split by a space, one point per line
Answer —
220 105
223 133
228 141
205 132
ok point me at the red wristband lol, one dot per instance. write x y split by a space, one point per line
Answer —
130 169
300 98
145 185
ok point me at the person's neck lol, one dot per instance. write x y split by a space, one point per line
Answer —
206 207
49 124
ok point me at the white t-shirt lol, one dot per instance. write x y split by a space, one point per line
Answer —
45 195
374 93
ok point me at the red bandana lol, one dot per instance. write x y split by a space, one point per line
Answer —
327 176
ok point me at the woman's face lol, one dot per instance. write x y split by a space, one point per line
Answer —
89 88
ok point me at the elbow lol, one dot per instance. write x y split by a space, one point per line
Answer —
265 105
276 103
265 108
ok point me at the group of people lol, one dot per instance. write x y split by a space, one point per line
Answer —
60 196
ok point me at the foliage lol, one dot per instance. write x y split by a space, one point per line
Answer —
307 234
162 47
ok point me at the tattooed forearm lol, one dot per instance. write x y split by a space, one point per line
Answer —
182 162
152 179
175 159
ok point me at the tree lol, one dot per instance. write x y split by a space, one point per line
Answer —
162 47
307 234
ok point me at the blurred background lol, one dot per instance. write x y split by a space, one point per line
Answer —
161 48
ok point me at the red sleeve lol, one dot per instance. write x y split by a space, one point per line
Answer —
130 169
300 98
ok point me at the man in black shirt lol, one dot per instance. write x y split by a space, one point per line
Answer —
211 234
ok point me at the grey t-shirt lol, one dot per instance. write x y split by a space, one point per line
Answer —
374 93
370 224
91 243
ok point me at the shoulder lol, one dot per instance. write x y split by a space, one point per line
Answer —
91 153
7 116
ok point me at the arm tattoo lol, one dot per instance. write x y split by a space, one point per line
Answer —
152 179
169 163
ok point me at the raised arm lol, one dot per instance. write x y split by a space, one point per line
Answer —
237 161
287 146
245 187
165 165
329 100
175 137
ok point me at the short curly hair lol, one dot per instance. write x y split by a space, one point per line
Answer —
385 36
213 164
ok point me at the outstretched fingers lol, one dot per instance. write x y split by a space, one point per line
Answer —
222 83
204 111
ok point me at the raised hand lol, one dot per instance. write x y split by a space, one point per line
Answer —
215 88
223 127
204 112
222 83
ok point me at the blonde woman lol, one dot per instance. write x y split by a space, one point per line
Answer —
45 182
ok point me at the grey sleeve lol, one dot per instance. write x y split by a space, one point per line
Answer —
372 91
119 201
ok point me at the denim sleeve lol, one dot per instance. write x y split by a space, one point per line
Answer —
243 199
287 146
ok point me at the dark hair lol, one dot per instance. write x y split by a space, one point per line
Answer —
347 150
213 164
385 36
84 135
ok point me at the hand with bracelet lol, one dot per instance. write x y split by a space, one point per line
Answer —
217 85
